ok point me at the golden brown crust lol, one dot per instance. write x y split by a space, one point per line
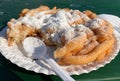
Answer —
33 11
90 14
23 12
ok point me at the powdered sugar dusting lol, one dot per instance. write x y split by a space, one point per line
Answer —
53 26
95 23
59 26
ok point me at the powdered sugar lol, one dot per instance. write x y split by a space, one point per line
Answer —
61 23
74 32
95 23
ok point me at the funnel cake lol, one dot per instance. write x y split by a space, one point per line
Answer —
79 37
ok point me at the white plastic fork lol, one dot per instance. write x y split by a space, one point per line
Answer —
38 50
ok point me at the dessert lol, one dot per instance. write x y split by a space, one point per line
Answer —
79 37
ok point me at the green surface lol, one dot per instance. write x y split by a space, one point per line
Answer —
10 9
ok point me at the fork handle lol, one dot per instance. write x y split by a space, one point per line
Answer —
58 70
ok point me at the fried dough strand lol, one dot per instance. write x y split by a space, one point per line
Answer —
90 57
73 46
33 11
88 47
104 54
103 33
90 14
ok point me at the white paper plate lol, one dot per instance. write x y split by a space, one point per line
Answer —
16 56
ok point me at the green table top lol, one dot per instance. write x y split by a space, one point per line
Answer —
10 9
